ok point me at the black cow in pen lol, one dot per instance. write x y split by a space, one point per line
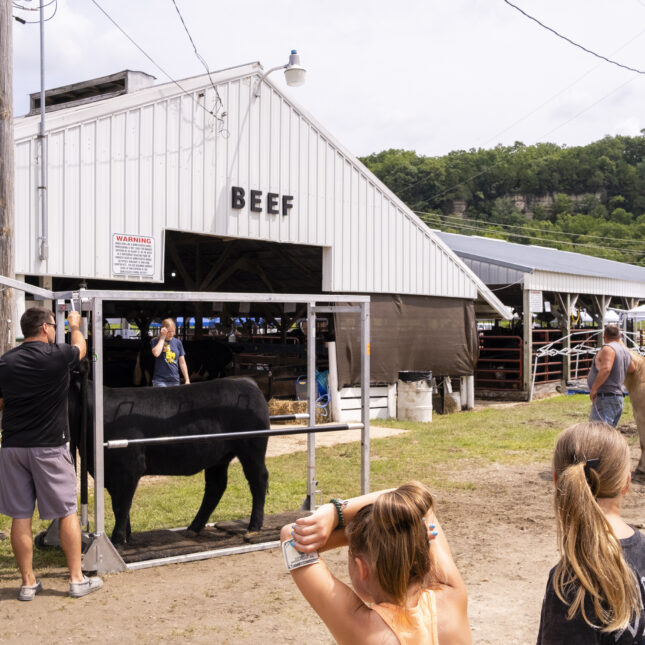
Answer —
221 406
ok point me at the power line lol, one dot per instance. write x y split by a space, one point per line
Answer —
218 101
528 228
161 69
35 22
18 6
553 31
544 239
561 92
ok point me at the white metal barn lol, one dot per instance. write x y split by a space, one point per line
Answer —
142 178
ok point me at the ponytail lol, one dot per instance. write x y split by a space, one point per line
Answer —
591 461
392 535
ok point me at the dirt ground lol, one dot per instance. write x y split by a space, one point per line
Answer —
502 536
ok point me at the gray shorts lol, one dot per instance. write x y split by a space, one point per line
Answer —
43 474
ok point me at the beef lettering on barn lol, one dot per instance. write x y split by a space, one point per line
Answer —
221 406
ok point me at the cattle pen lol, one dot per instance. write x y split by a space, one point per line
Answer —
101 555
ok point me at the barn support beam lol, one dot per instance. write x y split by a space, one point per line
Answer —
527 342
599 305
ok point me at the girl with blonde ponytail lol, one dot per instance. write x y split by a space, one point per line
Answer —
595 592
406 587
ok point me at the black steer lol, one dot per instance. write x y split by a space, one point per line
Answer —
221 406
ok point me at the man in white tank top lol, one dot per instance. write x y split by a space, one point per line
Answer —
606 376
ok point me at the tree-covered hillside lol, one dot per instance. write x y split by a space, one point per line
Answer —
588 199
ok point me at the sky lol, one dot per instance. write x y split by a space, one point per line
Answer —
425 75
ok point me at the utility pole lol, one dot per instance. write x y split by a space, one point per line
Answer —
7 310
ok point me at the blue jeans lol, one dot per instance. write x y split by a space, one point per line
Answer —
163 384
607 409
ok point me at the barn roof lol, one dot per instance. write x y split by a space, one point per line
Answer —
538 267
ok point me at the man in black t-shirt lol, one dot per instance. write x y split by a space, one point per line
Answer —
35 463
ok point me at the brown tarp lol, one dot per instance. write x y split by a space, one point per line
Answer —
409 333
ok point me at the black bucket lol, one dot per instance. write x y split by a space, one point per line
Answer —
413 377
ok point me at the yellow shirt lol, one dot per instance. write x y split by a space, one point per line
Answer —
414 626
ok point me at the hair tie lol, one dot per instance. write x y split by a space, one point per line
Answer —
590 464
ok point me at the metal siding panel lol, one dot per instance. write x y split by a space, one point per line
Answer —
407 254
132 169
384 253
362 240
117 186
185 176
390 249
322 199
233 145
428 252
330 195
25 200
254 147
274 158
351 246
344 246
172 163
396 268
418 272
243 153
159 171
71 212
146 171
55 206
210 129
222 185
264 137
301 175
102 225
290 232
338 176
87 211
372 277
286 160
313 172
197 183
367 264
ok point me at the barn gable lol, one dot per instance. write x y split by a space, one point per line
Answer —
158 160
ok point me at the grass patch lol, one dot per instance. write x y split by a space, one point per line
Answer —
439 453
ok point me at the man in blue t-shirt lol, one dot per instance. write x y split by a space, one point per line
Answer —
169 357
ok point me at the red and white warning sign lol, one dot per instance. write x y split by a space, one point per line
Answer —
133 255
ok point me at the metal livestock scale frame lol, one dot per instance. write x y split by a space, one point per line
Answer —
101 555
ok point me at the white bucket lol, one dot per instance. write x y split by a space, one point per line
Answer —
414 401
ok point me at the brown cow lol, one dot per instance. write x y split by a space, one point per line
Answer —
635 384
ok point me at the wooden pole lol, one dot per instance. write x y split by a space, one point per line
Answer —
7 311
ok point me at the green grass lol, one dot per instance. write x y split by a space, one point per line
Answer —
439 453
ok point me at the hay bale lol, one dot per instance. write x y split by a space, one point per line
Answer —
286 406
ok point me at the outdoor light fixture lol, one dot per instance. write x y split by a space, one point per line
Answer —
294 73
